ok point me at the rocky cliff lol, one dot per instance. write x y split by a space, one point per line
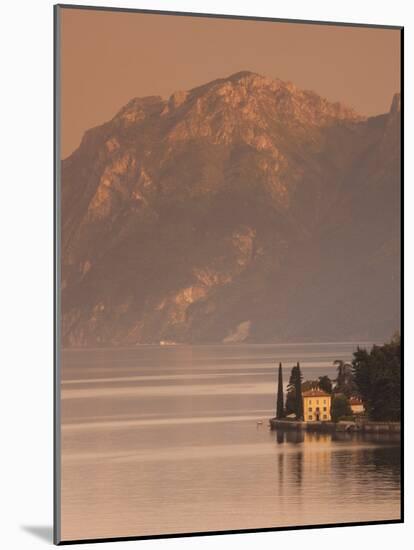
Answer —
242 210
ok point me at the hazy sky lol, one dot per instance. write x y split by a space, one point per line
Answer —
110 57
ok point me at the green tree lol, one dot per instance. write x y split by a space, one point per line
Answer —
290 405
298 387
294 393
280 412
344 381
377 375
340 407
325 384
294 403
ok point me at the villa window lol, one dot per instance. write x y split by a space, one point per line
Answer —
324 408
310 409
310 417
325 417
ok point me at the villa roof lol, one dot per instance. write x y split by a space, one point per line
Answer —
355 401
315 393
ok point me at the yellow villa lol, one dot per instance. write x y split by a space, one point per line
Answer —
316 406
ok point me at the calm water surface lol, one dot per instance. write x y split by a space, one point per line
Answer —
166 440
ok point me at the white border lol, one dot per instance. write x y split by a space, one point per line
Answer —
26 230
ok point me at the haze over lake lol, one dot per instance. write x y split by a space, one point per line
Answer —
165 439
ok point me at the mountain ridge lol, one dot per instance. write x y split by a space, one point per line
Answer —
183 219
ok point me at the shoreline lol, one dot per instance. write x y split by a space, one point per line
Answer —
218 344
341 426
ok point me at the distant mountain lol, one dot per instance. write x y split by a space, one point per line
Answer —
242 210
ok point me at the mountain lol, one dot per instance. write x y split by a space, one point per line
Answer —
241 210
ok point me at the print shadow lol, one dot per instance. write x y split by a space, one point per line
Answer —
44 532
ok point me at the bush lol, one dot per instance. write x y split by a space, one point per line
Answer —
340 408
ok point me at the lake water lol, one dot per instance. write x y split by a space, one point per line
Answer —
166 440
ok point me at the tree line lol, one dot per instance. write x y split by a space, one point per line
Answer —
373 376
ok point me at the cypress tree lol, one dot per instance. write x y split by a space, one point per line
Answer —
298 392
279 404
294 402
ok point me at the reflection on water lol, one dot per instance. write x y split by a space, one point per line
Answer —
172 445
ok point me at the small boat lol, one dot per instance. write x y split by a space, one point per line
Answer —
258 422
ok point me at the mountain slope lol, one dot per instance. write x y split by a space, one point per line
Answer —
241 210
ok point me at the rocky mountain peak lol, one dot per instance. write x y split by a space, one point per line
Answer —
243 75
204 217
242 96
